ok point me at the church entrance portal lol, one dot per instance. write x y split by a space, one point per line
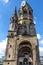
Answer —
25 54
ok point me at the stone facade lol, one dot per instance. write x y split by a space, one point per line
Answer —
22 44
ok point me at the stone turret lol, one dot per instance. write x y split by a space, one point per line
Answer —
25 17
25 11
14 20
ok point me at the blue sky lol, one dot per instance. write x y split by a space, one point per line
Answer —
6 11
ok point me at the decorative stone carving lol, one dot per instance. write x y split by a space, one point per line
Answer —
32 29
23 29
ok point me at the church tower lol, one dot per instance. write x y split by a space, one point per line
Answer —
22 44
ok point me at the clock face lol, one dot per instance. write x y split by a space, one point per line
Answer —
23 3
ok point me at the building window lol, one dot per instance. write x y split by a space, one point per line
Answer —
10 46
30 12
30 63
20 14
24 12
8 63
9 55
20 63
11 34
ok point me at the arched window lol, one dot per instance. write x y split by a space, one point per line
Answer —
10 46
30 12
24 10
9 55
12 34
25 43
8 63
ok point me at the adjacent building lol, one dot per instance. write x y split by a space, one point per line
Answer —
41 60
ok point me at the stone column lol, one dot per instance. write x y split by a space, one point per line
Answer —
34 56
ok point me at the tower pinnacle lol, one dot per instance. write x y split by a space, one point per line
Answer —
15 12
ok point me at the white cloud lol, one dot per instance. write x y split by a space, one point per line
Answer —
34 22
38 36
4 1
41 41
2 47
41 51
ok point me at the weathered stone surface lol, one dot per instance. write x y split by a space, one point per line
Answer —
22 44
